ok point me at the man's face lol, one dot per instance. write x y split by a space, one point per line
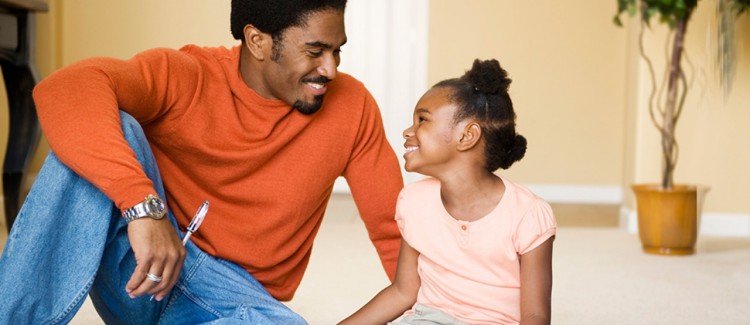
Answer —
307 59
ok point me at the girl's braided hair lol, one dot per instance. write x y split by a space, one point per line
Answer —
482 94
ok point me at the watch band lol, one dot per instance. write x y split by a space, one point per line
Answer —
152 206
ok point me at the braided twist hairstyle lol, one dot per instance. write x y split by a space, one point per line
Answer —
482 93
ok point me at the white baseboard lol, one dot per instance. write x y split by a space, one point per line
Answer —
579 194
711 224
551 193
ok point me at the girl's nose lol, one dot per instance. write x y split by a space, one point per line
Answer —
407 133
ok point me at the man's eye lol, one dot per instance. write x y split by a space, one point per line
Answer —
315 54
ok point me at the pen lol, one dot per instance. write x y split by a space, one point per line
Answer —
194 224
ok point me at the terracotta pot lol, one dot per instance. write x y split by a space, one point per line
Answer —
667 219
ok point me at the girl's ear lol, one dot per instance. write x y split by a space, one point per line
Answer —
470 136
256 41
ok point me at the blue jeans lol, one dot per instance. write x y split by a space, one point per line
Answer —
69 240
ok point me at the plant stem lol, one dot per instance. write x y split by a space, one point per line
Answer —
670 112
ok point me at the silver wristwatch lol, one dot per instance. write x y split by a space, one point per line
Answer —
152 206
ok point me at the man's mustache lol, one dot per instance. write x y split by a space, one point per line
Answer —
320 79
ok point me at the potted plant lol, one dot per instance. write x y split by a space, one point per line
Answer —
668 213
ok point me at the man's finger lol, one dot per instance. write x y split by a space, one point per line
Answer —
170 278
145 286
135 281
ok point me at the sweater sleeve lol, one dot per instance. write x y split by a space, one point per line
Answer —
78 108
374 177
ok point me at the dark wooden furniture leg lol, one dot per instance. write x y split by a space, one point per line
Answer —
16 58
23 137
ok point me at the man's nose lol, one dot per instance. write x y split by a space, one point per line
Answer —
328 67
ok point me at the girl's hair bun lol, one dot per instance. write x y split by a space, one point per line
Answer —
488 77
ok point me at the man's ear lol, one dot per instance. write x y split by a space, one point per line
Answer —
256 41
470 136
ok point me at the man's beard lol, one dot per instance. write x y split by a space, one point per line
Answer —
309 108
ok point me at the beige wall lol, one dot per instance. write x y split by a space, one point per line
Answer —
567 73
124 28
578 84
579 92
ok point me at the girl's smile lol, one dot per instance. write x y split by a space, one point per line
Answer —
431 138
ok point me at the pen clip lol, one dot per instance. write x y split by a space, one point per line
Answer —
198 218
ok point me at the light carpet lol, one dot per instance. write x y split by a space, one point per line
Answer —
601 276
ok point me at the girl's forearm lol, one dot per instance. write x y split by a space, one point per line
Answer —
386 306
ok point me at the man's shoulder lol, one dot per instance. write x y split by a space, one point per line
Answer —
217 52
349 93
186 53
348 82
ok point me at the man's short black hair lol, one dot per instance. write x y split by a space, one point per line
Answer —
275 16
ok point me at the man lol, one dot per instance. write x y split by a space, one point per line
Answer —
261 131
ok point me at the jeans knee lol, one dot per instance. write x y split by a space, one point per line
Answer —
132 130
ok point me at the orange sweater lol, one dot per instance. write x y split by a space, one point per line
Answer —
267 170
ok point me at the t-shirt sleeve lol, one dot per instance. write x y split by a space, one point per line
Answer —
535 227
400 216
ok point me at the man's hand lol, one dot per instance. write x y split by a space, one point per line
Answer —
158 251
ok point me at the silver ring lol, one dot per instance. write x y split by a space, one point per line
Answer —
154 278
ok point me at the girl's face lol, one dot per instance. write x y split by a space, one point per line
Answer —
431 140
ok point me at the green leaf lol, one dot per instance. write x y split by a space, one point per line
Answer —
617 21
668 11
632 8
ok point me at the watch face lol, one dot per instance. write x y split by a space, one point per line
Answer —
155 207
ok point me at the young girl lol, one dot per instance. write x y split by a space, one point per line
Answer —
477 248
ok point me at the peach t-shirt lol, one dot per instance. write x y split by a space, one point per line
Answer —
471 270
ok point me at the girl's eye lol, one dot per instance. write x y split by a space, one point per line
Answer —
421 119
